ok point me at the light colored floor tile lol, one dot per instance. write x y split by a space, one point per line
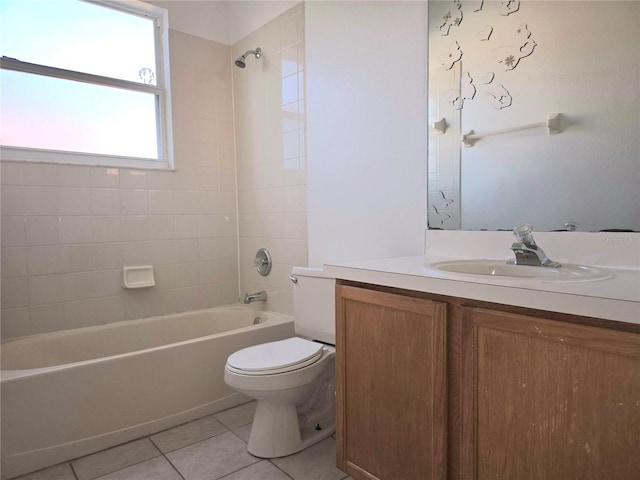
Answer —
58 472
237 416
263 470
157 469
212 458
318 462
188 434
243 432
114 459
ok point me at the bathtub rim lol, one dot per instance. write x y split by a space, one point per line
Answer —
271 319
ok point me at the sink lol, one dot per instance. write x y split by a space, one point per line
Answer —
500 268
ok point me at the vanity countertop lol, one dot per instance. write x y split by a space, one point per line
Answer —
614 298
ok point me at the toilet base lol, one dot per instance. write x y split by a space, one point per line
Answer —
276 431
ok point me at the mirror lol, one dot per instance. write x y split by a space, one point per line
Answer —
547 95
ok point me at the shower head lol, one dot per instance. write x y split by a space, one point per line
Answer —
240 62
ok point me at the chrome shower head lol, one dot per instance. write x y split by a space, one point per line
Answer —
240 62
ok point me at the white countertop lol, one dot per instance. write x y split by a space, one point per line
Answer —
614 298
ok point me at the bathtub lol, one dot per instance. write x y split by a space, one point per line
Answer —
71 393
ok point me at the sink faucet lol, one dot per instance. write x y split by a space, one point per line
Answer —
526 250
255 297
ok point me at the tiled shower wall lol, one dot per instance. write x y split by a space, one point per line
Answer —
67 231
269 98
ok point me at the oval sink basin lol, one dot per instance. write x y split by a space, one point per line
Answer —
499 268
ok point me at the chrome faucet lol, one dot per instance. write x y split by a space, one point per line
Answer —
255 297
526 250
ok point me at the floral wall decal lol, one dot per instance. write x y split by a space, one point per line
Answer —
499 97
451 18
444 202
438 218
485 33
487 78
448 59
508 7
467 91
516 46
510 56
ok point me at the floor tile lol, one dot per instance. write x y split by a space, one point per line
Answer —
237 416
157 469
263 470
188 434
57 472
212 458
318 462
243 432
114 459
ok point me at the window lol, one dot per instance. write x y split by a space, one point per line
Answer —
85 81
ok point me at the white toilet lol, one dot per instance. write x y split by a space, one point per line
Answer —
292 379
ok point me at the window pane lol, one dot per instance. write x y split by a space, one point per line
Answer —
80 36
54 114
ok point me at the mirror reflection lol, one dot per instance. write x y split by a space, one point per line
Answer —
534 113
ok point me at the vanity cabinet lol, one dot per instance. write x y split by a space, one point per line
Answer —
549 400
434 387
390 385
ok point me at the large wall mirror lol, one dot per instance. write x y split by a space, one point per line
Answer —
534 115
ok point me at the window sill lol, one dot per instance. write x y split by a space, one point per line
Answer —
16 154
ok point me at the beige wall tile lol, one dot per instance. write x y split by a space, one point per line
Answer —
68 230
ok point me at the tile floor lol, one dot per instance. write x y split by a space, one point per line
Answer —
210 448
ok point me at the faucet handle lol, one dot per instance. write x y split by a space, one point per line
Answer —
524 234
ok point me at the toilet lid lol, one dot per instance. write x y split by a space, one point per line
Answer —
275 357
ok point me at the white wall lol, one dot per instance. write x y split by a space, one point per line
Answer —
366 137
246 17
207 19
225 22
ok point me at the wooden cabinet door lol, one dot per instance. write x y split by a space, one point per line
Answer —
547 400
391 386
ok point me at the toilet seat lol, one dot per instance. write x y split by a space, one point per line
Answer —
275 357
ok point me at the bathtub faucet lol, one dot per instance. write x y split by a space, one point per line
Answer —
255 297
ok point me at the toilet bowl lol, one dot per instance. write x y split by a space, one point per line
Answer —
293 380
294 408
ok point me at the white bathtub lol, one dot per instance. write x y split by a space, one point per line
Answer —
67 394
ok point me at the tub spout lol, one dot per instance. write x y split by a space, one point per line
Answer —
255 297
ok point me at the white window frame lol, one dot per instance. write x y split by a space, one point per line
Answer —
162 91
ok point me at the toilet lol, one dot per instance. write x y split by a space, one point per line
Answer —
293 380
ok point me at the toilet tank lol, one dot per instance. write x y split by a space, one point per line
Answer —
314 308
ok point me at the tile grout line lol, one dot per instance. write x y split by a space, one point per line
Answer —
258 460
163 454
228 429
269 460
174 467
73 471
160 454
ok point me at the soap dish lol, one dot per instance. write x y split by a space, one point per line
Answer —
138 277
